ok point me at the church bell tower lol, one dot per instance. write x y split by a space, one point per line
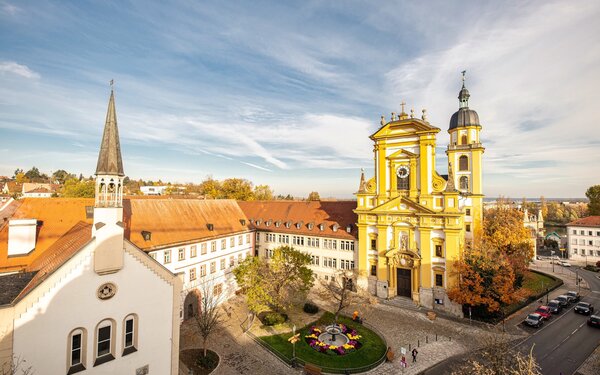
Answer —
108 209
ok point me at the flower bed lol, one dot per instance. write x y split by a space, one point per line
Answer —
312 339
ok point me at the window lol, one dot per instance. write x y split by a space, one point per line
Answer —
181 254
167 254
312 242
574 241
271 237
373 270
590 242
192 273
581 241
468 227
213 246
463 139
463 163
193 251
574 231
439 280
218 289
223 264
77 351
582 232
240 258
130 328
153 255
597 233
373 244
269 253
104 342
403 183
202 270
574 251
468 212
463 183
203 249
438 251
590 233
223 244
231 261
240 240
231 241
213 267
257 236
248 238
439 202
314 259
298 240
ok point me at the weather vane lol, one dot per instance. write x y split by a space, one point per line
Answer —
112 83
463 75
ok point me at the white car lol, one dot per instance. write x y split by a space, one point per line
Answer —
564 263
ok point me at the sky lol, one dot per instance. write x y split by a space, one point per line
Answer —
287 93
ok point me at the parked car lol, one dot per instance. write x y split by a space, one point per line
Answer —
534 320
575 295
584 308
594 321
554 306
544 311
564 263
563 300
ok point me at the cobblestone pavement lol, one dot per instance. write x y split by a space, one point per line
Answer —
402 328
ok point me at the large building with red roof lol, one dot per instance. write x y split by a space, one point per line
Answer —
583 239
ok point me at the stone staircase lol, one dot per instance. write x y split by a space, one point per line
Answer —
403 303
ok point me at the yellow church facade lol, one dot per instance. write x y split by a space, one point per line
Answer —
413 222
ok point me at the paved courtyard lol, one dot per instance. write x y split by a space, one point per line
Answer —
401 324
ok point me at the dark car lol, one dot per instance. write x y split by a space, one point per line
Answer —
554 306
563 300
584 308
544 311
594 321
534 320
575 295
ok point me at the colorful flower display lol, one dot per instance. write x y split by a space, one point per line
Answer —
353 344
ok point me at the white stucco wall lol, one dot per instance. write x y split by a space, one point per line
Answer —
41 332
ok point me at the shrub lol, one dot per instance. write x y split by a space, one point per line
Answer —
209 362
272 318
310 308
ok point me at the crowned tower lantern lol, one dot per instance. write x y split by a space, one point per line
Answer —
108 208
465 153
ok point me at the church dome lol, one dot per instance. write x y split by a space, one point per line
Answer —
464 116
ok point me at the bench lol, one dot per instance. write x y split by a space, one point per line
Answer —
311 369
389 355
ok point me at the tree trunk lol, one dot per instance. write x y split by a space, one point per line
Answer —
204 346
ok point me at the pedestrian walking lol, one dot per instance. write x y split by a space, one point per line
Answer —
414 354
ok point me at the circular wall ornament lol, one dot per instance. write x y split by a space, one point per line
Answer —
402 171
403 261
106 291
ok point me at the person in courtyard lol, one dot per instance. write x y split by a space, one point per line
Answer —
414 354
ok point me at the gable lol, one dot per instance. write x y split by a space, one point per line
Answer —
401 204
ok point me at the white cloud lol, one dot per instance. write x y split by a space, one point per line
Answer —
12 67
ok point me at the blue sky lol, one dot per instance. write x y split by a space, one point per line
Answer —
287 93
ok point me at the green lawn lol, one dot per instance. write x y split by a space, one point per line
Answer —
538 283
373 346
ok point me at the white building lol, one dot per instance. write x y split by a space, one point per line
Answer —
153 190
76 296
37 190
583 238
324 230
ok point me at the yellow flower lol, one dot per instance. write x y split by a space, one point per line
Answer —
311 336
332 347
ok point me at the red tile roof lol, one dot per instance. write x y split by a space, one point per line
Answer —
278 213
590 221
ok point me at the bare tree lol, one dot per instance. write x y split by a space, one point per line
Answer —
344 291
209 316
16 366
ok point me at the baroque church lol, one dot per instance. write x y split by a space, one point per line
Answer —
413 223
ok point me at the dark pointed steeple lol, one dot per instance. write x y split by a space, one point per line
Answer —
109 160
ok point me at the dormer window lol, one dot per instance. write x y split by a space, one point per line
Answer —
258 221
243 221
278 223
335 227
288 224
311 225
268 222
349 228
210 227
321 227
299 224
146 235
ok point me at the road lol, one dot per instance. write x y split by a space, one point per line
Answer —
562 344
565 342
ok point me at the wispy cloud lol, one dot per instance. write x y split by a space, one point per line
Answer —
11 67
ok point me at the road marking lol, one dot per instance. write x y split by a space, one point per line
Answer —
562 342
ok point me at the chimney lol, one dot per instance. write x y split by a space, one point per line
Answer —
21 236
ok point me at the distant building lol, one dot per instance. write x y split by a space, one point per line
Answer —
12 187
153 190
583 238
38 190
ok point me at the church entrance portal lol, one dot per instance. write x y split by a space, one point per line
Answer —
403 285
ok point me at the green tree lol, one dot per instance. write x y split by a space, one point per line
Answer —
73 188
313 196
263 193
275 284
61 176
238 189
33 174
593 194
210 188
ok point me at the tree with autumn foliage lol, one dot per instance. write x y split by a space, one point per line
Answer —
504 231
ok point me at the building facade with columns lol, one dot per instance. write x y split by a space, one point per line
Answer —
413 222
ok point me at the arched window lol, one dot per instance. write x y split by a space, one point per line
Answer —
464 183
463 163
130 334
76 353
105 342
463 140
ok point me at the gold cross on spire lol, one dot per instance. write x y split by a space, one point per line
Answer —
464 72
402 105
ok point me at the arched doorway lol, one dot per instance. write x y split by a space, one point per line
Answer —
191 306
